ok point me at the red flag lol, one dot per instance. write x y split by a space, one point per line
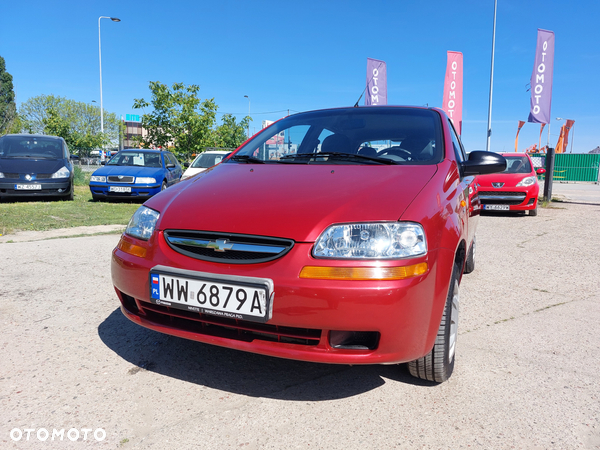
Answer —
521 123
453 89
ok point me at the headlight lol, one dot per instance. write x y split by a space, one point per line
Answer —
63 172
527 181
371 241
98 179
145 180
142 223
1 175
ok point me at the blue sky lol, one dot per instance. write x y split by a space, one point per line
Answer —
303 55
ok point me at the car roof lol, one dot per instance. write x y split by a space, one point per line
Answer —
27 135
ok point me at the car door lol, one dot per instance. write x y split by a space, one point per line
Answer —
468 214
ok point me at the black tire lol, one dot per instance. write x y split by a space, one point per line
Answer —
438 364
96 198
163 186
470 262
533 212
71 195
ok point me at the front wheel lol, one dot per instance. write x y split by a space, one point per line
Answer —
470 262
163 186
533 212
438 364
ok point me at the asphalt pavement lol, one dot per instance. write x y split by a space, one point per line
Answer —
526 374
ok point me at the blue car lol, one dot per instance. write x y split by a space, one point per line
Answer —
34 165
135 174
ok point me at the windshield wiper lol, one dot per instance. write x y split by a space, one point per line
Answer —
339 156
247 159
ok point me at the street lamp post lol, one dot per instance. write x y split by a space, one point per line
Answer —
114 19
245 96
489 123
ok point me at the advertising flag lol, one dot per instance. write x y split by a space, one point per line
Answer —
376 82
453 89
541 78
521 123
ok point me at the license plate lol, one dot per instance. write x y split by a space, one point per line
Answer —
231 297
28 187
119 189
497 207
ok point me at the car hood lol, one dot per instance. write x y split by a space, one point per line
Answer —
25 165
509 179
129 171
291 201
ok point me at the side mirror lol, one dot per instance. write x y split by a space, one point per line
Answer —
186 164
103 163
170 165
540 171
481 163
74 157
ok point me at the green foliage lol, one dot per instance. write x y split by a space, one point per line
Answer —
231 134
181 120
81 178
8 108
77 122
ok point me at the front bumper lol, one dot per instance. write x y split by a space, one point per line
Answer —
137 190
404 314
517 198
47 188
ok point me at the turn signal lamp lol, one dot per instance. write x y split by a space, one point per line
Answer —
132 249
363 273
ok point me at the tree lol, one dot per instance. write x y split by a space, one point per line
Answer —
8 108
231 134
179 118
77 122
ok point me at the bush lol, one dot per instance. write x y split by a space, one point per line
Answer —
80 177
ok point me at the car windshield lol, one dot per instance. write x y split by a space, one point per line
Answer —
30 147
372 135
517 164
137 159
206 160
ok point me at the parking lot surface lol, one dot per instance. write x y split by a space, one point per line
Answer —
526 372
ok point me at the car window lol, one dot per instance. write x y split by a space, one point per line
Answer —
518 164
133 158
31 147
359 136
459 152
206 160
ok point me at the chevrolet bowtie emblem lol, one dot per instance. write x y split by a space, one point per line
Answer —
220 245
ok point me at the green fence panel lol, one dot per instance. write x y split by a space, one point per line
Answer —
572 166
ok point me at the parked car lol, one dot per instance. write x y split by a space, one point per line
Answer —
203 161
515 189
135 174
35 165
343 242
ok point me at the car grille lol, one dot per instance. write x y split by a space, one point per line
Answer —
225 247
120 179
11 175
221 327
43 176
502 198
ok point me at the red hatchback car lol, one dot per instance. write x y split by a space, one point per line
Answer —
515 189
334 236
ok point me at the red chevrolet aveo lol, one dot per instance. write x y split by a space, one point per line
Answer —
334 236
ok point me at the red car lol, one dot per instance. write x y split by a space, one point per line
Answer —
342 241
515 189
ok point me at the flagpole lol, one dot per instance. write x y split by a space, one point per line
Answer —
489 126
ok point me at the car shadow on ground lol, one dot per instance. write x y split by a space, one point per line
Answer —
241 372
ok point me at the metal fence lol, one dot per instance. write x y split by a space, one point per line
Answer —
572 166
